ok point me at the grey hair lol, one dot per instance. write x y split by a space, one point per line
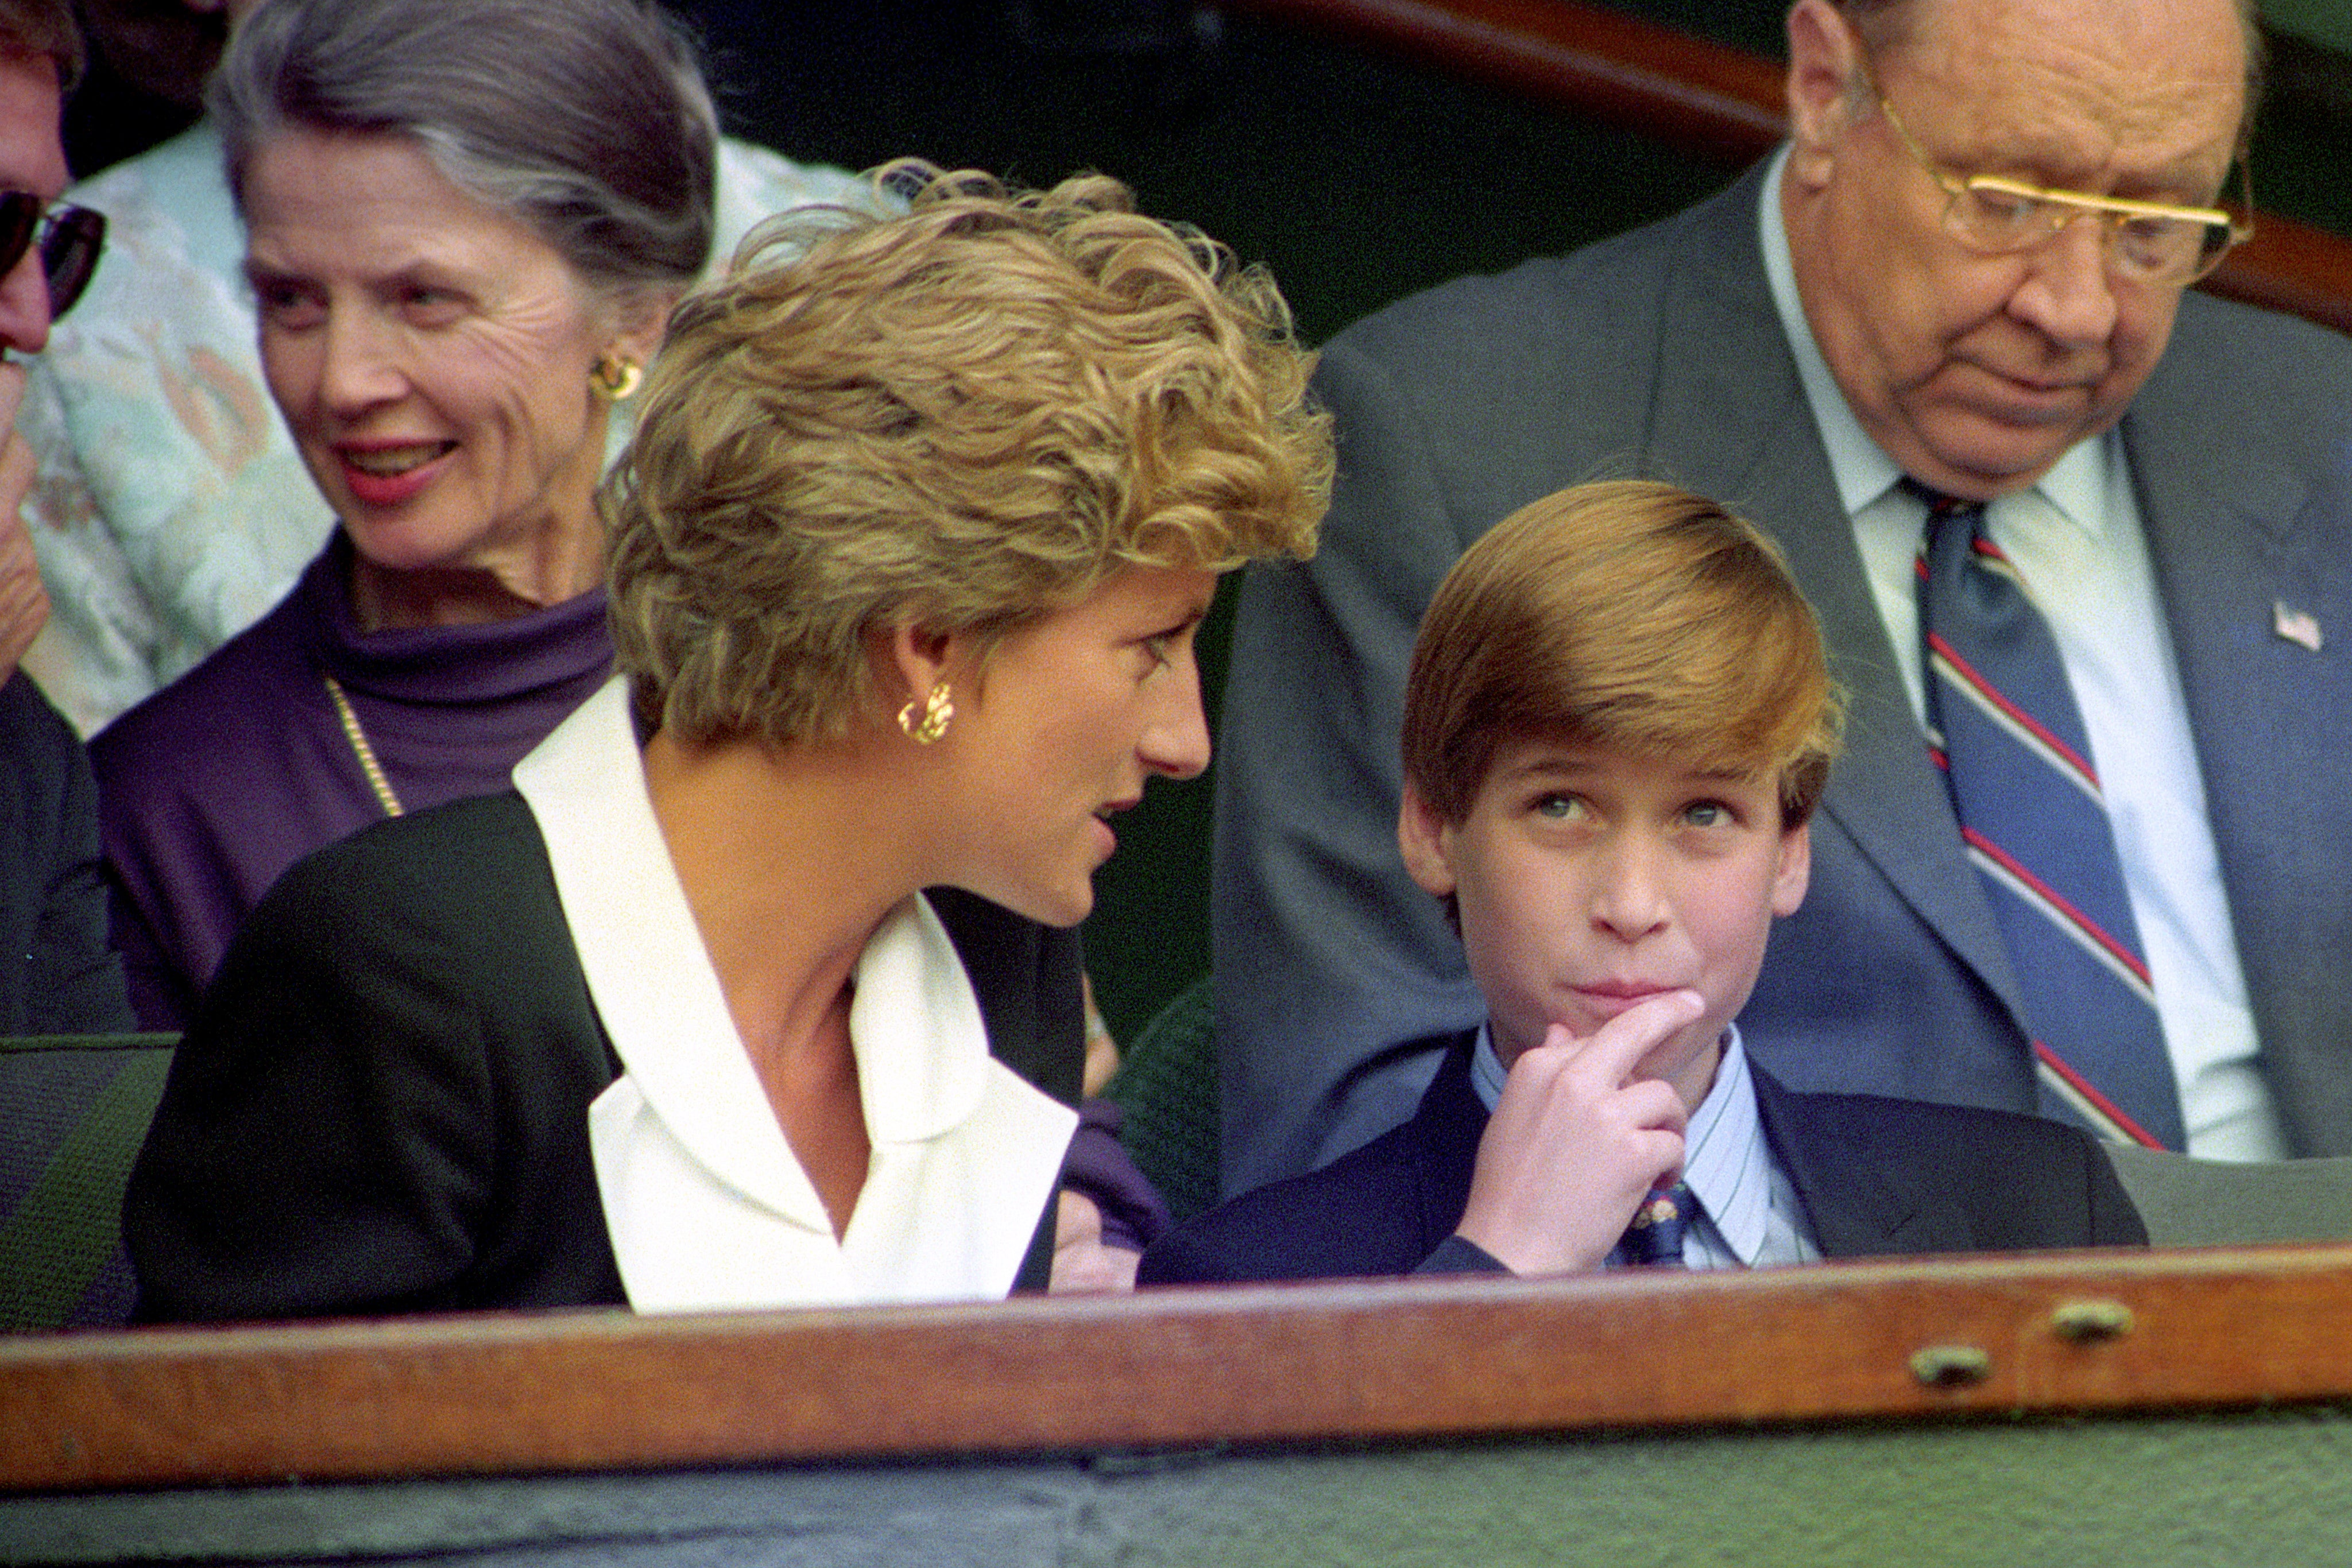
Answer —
587 120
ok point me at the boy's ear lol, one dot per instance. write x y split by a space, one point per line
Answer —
1795 870
1425 839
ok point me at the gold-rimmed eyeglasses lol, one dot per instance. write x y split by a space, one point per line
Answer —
2148 241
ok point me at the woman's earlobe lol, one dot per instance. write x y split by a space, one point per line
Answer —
644 323
925 665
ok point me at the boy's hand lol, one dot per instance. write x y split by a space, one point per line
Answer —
1576 1141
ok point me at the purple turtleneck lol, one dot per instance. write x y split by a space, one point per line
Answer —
214 786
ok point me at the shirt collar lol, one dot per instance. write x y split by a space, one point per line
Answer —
1725 1158
1862 471
706 1206
1486 1071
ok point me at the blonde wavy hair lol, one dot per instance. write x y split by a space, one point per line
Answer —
960 417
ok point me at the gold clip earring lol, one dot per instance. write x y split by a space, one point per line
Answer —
617 378
937 710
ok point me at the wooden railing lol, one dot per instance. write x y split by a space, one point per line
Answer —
1720 102
2079 1333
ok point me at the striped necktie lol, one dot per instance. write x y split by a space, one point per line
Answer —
2004 730
1655 1239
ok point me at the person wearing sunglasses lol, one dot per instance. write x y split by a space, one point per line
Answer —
1964 282
65 241
59 976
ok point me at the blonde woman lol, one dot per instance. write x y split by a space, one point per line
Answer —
906 562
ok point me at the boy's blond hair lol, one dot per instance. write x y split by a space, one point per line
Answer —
1629 614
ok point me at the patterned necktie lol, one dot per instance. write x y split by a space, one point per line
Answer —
1655 1239
2004 730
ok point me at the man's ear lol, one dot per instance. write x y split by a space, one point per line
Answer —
1795 870
1426 841
1824 56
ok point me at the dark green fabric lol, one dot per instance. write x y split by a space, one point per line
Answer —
73 1111
2191 1202
1167 1084
2225 1490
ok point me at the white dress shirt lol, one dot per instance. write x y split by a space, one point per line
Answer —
2076 540
708 1207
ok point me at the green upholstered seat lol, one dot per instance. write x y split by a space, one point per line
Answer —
73 1112
2190 1202
1167 1085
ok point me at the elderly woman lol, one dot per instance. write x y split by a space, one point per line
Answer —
906 561
467 221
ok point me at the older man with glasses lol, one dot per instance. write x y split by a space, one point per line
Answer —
57 974
2070 532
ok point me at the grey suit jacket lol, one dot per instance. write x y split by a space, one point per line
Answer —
1658 353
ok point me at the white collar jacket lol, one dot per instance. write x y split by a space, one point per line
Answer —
706 1204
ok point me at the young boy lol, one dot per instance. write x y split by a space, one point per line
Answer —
1618 722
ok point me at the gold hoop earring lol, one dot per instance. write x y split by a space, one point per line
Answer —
617 378
937 710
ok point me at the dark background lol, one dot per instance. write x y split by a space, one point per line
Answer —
1355 175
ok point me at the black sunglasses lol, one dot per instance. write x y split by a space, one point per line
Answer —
70 239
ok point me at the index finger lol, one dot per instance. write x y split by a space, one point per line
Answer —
1617 1047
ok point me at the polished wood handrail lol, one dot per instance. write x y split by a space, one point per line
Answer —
2063 1332
1724 104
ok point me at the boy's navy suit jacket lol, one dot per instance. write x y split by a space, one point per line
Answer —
1876 1177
